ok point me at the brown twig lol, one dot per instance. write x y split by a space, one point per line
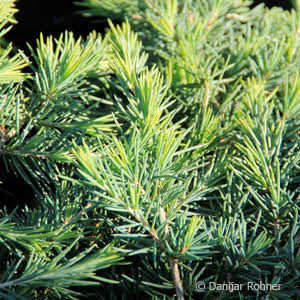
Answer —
212 20
207 93
176 277
5 137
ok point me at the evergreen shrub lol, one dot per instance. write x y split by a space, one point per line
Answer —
163 156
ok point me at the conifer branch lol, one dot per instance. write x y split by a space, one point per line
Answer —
161 156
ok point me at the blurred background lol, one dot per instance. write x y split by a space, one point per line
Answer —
56 16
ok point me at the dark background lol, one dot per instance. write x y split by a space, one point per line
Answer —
56 16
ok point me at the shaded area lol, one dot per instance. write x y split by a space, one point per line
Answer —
50 18
285 4
15 192
54 17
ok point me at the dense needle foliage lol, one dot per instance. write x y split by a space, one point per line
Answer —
161 154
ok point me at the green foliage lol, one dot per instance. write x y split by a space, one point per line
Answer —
115 8
162 154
